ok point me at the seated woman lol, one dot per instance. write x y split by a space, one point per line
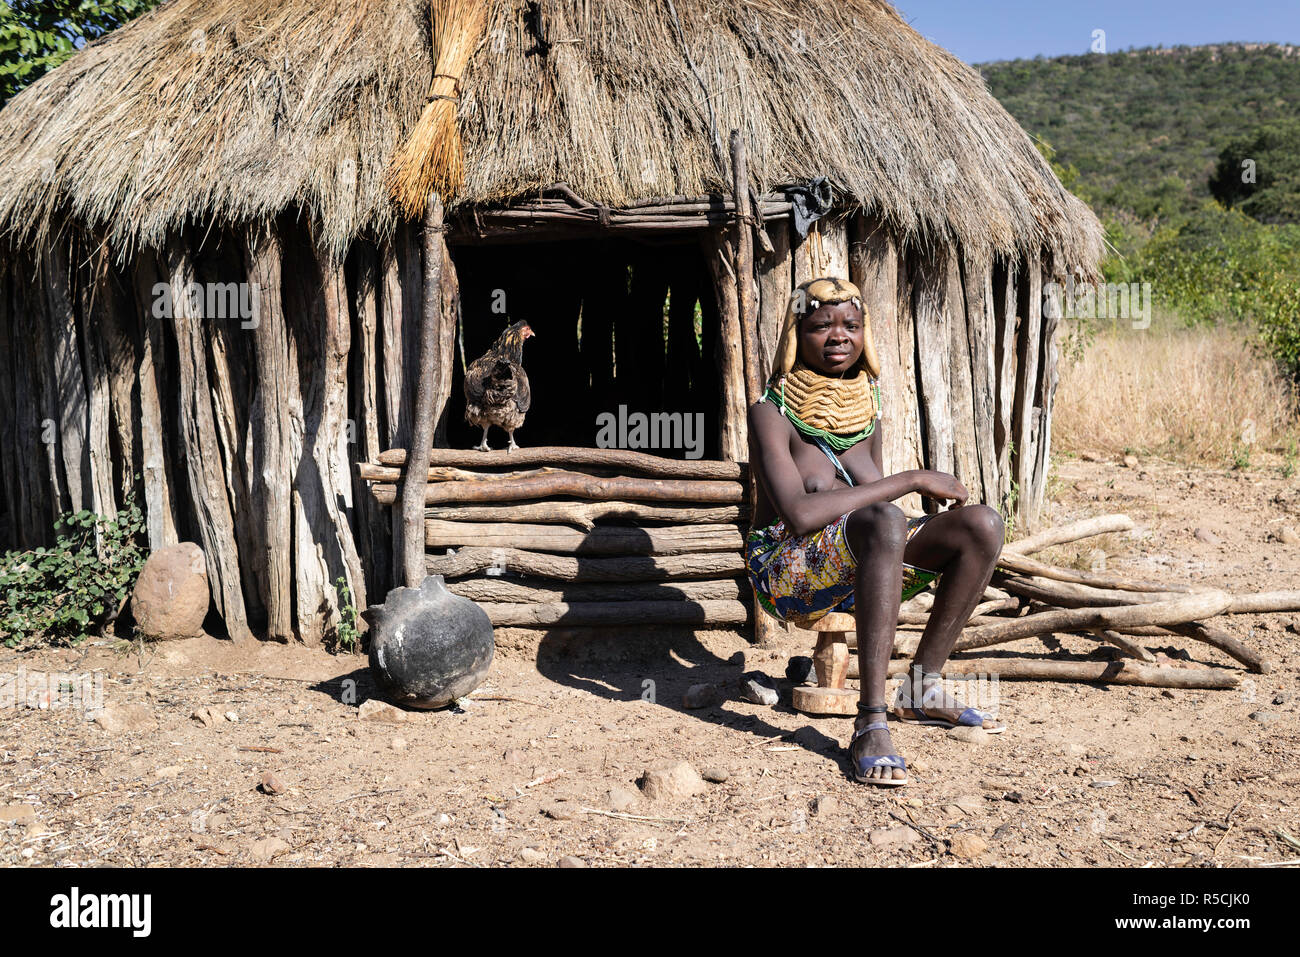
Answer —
825 536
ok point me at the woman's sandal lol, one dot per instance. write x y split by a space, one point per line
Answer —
861 766
970 718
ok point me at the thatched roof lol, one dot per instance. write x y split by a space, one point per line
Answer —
238 109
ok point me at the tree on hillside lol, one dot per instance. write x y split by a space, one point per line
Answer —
38 35
1259 173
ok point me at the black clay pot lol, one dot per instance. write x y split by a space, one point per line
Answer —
428 646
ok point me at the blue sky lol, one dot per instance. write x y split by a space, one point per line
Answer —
983 30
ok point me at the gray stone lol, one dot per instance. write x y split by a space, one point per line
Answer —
1288 535
531 855
561 812
759 688
571 861
716 775
671 780
1281 698
171 596
1263 717
374 710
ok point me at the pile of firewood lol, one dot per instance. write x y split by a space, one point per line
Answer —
1028 598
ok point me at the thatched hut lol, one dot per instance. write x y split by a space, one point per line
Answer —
208 299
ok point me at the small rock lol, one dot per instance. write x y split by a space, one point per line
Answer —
268 783
824 805
125 717
167 773
967 845
971 803
885 836
975 736
267 848
1206 536
715 775
1288 535
1293 626
17 813
920 765
531 855
514 756
232 717
1089 457
374 710
1263 717
1103 784
671 780
1130 461
571 861
700 696
799 670
398 744
171 595
1166 693
207 716
622 800
759 688
1281 698
560 812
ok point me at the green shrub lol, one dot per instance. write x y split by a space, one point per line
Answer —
61 594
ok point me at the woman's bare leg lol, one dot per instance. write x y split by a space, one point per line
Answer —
877 535
962 544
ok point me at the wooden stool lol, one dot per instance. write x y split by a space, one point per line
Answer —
831 662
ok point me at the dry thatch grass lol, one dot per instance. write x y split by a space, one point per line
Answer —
1199 395
233 110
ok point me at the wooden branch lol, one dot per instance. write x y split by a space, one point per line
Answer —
585 514
414 481
1124 644
1185 608
1029 566
1061 534
1070 595
621 459
1199 631
605 540
1265 601
441 473
470 561
629 613
1122 672
581 486
541 591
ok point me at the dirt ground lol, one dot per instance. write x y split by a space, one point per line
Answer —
543 765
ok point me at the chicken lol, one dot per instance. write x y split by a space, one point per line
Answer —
496 386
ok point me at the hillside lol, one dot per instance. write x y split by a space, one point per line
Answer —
1144 128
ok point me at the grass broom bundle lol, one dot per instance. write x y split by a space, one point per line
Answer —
432 158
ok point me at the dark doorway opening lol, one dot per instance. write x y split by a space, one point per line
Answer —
617 323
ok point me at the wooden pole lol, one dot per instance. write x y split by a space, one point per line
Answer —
733 429
744 244
413 480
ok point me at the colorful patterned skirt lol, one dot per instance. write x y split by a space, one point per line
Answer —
801 578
